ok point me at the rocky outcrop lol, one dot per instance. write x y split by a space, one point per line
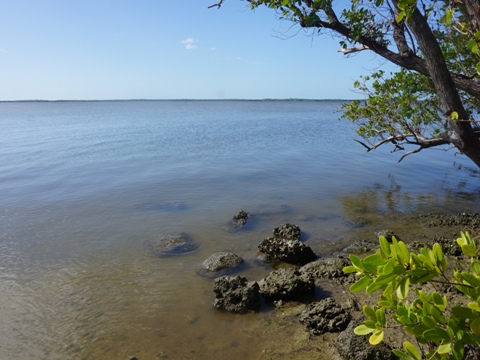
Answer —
325 316
289 251
236 294
287 284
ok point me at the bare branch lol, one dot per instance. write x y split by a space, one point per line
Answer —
353 50
218 4
414 151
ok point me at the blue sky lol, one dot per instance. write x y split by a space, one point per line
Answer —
159 49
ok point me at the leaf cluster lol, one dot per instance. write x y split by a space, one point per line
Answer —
399 105
442 330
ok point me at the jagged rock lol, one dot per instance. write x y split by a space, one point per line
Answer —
236 294
328 268
169 245
325 316
287 231
289 251
287 284
221 260
354 347
240 218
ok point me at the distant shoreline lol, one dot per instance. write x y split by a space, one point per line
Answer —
125 100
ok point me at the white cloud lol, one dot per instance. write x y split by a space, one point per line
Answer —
190 43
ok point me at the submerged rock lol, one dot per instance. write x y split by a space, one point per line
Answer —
287 231
170 245
289 251
325 316
236 294
240 218
221 260
287 284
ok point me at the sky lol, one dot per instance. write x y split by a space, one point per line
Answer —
159 49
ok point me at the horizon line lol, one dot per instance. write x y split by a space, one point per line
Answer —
179 99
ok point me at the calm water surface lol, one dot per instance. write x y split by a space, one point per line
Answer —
85 184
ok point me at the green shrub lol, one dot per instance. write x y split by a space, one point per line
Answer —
442 330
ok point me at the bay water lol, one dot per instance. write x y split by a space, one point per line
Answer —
85 185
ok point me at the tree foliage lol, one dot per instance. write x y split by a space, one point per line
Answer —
441 330
434 98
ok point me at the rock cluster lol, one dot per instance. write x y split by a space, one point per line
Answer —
292 282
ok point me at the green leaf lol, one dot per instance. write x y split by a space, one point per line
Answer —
412 350
458 350
470 279
284 2
473 46
363 330
372 262
454 115
469 250
474 306
437 249
436 334
369 312
385 245
401 355
388 268
445 348
403 288
437 315
438 300
400 16
462 312
356 262
360 284
475 325
376 337
429 321
404 255
380 313
379 281
349 269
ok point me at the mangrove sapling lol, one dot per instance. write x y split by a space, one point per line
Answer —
442 330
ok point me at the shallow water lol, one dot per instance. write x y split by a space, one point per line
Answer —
84 185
